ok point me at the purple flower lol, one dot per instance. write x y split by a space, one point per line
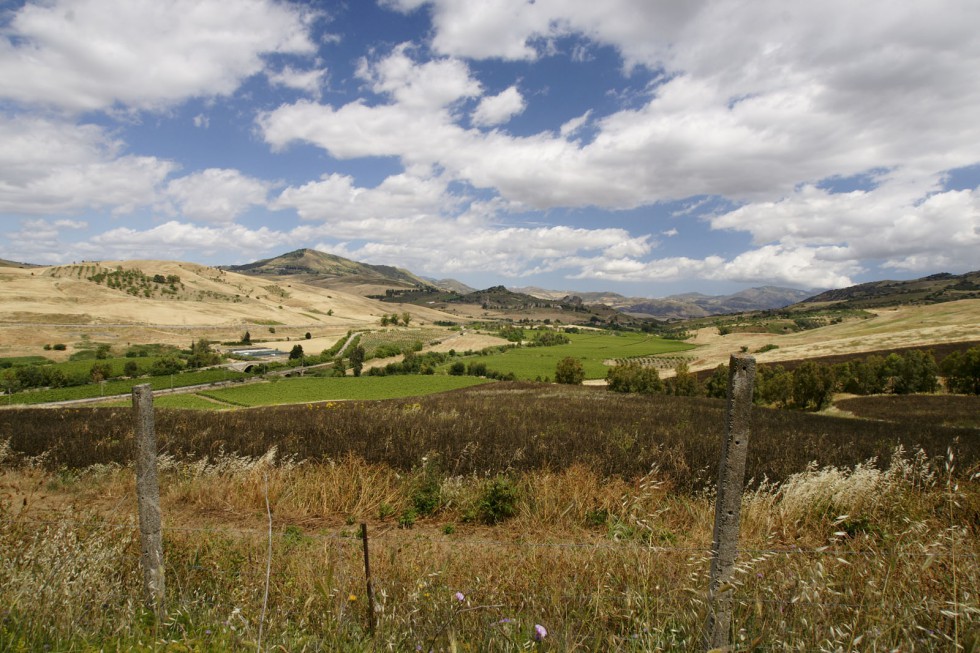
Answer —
459 597
539 633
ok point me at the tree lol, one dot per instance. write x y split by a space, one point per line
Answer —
100 372
684 383
168 364
962 371
773 386
296 353
202 355
308 335
131 368
339 367
633 377
916 371
813 385
247 338
569 371
717 384
102 352
457 369
406 318
357 360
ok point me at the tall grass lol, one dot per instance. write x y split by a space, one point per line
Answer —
850 558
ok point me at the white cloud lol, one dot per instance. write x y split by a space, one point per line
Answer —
569 127
750 109
498 109
216 195
308 81
84 55
428 86
798 267
179 240
891 223
53 167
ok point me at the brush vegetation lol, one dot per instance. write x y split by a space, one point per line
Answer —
492 510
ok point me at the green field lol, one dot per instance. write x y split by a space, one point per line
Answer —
530 363
313 389
121 386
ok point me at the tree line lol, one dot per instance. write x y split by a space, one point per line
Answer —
812 384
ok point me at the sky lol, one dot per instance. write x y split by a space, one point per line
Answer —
646 147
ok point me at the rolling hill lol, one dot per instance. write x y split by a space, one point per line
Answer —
330 271
171 302
936 288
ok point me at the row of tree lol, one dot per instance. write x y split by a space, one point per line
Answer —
811 385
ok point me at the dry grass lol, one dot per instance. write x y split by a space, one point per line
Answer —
602 563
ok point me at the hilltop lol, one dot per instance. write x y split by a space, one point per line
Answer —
331 271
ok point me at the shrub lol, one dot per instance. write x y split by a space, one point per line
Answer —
633 377
59 346
458 368
498 501
569 371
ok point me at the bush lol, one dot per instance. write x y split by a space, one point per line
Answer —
458 368
633 377
59 346
296 353
569 371
498 501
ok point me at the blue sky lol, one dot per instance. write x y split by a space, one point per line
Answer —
642 146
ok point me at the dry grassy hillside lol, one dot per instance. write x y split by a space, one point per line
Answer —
166 301
901 326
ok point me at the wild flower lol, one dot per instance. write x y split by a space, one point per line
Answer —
459 597
540 632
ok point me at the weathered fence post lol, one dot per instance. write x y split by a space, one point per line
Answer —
731 476
367 577
148 501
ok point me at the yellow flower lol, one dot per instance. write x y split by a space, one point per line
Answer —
352 597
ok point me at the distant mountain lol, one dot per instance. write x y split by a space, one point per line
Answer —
451 285
322 269
685 305
935 288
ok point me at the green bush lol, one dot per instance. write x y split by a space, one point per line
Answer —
633 377
498 501
569 371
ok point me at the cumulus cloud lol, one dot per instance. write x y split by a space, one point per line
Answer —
498 109
758 121
82 55
48 166
216 195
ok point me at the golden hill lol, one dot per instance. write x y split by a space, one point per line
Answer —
168 301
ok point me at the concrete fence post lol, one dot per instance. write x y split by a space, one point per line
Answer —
148 501
731 476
